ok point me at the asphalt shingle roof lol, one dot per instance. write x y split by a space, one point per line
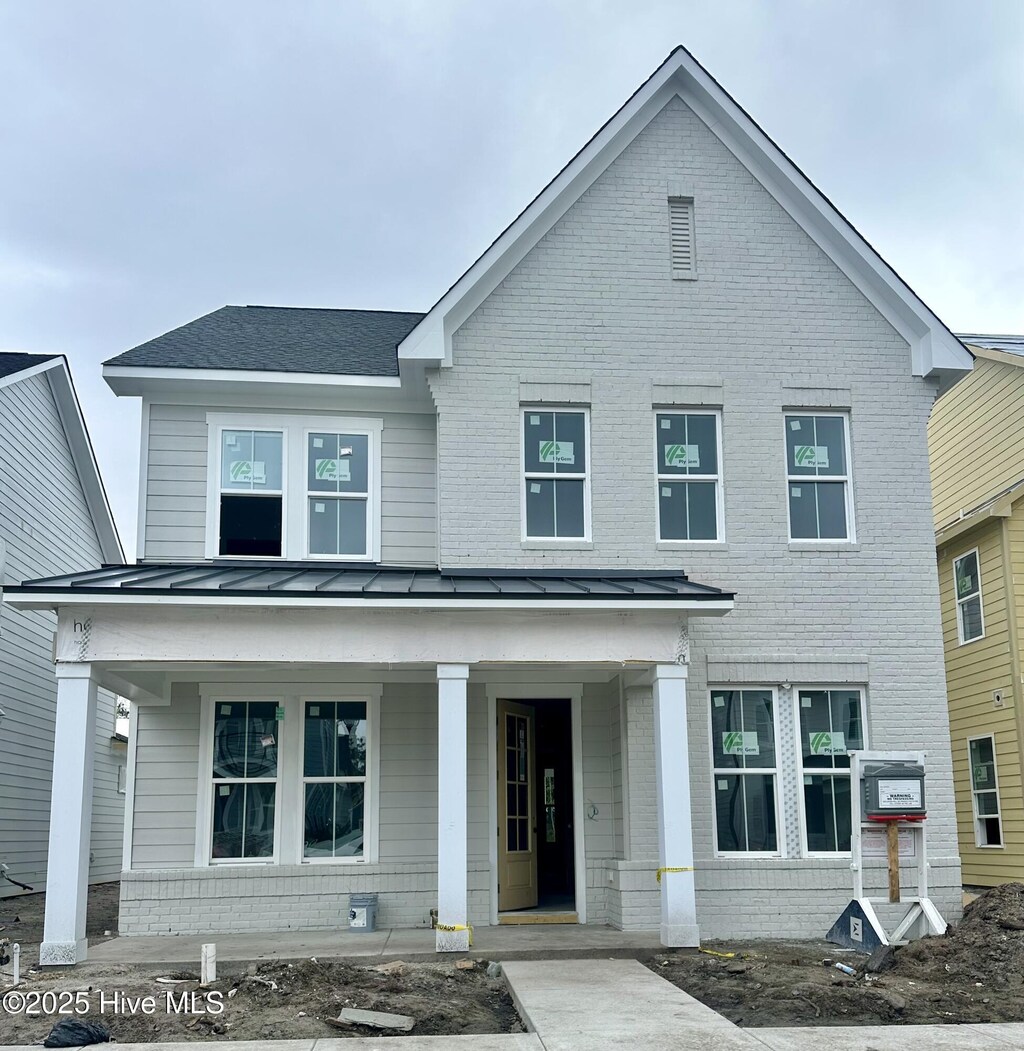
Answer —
13 362
1010 344
281 339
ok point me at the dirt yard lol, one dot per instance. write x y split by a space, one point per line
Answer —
973 974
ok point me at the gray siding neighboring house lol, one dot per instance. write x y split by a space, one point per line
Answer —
680 272
48 526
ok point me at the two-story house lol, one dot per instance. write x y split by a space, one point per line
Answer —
572 594
976 435
54 518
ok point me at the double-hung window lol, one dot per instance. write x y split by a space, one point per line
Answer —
988 825
334 767
556 480
294 487
689 476
970 622
244 774
831 726
818 477
744 771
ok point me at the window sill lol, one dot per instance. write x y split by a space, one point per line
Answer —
823 545
557 545
691 545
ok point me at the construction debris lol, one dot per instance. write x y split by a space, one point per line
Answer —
373 1019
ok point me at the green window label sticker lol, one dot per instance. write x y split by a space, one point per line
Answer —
980 775
279 713
254 471
557 452
740 742
339 470
810 455
682 456
823 743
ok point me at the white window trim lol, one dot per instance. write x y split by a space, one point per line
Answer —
847 479
295 503
960 602
823 770
718 479
524 479
998 815
780 831
288 841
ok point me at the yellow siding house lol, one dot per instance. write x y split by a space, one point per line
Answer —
976 441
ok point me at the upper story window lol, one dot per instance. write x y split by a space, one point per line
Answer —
970 621
689 476
818 477
294 487
556 475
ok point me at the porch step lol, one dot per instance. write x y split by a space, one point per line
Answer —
514 918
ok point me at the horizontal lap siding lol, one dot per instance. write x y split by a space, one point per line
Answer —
176 485
47 529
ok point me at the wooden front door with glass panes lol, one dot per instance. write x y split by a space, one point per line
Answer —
517 839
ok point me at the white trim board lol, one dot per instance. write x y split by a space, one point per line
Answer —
934 349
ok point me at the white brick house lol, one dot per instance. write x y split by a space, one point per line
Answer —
494 550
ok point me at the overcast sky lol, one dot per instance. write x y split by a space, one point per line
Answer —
161 159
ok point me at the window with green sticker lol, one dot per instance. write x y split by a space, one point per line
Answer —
831 726
556 475
688 476
818 477
988 822
970 619
744 771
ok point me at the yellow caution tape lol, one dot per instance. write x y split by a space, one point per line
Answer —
456 927
724 955
668 868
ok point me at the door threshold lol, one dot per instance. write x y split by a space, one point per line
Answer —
514 918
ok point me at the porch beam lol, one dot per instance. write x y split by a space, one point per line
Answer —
67 867
675 825
452 809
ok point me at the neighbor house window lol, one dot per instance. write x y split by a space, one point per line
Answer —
818 477
555 475
988 825
334 768
967 579
294 487
251 492
831 726
744 770
689 476
245 749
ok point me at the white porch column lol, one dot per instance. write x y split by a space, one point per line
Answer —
675 832
67 866
452 850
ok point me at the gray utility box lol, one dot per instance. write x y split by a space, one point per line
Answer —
893 788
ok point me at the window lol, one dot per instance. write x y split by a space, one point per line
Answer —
967 579
689 476
831 726
680 222
818 477
556 482
743 751
988 825
334 767
251 492
294 487
245 746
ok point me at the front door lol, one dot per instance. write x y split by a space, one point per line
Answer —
517 819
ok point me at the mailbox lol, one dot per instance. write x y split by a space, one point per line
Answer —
893 789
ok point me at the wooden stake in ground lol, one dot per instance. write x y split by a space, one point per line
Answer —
892 841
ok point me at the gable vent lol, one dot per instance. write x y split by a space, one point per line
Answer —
680 219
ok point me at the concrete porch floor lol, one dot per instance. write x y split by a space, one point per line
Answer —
504 942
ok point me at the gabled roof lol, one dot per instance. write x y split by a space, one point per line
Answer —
934 349
279 339
16 368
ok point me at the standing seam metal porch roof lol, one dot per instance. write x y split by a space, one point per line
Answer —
375 582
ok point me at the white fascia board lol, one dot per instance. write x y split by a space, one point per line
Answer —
934 349
134 380
33 599
73 420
